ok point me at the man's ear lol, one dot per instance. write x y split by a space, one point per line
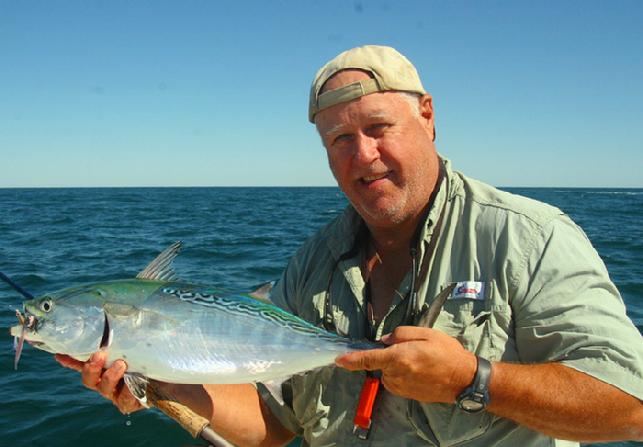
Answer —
426 112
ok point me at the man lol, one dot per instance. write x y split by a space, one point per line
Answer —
531 346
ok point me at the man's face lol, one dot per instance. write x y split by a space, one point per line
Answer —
380 152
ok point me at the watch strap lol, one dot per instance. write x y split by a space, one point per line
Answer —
478 391
483 374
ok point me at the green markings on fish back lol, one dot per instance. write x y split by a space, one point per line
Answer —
248 307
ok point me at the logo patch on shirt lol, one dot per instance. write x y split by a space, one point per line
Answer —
472 290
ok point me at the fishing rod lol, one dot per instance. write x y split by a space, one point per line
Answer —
16 287
197 426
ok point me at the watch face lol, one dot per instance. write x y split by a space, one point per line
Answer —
471 405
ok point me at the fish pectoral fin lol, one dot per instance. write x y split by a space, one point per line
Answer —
120 310
137 384
161 267
275 388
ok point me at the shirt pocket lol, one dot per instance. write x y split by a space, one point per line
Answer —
483 326
473 322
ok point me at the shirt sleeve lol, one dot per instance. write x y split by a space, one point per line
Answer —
567 309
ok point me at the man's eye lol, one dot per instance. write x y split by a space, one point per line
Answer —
376 130
342 139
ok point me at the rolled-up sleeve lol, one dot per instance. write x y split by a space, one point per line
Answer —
567 309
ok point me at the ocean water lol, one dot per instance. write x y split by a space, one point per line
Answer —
234 238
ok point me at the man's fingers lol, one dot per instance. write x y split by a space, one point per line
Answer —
370 360
110 381
92 370
69 362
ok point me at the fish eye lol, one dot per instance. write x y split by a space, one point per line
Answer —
46 305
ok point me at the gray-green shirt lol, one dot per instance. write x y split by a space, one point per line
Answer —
530 289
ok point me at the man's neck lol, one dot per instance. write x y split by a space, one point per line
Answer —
387 241
397 238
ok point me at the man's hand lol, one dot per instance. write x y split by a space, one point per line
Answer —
109 382
420 363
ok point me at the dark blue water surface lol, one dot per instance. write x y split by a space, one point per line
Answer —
234 238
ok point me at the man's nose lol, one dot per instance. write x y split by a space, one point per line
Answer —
366 149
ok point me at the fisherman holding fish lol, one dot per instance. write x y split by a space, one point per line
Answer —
498 321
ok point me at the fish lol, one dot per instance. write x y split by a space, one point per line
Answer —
177 332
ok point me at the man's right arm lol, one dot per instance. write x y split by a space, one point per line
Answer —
236 412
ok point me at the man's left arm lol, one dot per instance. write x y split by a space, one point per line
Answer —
430 366
580 375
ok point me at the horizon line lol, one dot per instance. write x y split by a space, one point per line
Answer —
280 186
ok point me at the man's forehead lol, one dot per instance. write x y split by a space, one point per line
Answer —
378 106
343 125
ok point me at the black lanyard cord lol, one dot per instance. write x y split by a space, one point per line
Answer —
419 276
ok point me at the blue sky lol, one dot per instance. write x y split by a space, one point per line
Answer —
178 93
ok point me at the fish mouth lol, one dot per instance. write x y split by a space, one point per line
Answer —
28 322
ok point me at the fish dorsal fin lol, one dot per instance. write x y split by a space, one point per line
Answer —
161 267
262 292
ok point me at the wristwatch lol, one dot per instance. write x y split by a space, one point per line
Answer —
475 397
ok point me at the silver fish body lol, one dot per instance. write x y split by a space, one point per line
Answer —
180 333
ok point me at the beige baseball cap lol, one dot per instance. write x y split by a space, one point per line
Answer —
390 70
